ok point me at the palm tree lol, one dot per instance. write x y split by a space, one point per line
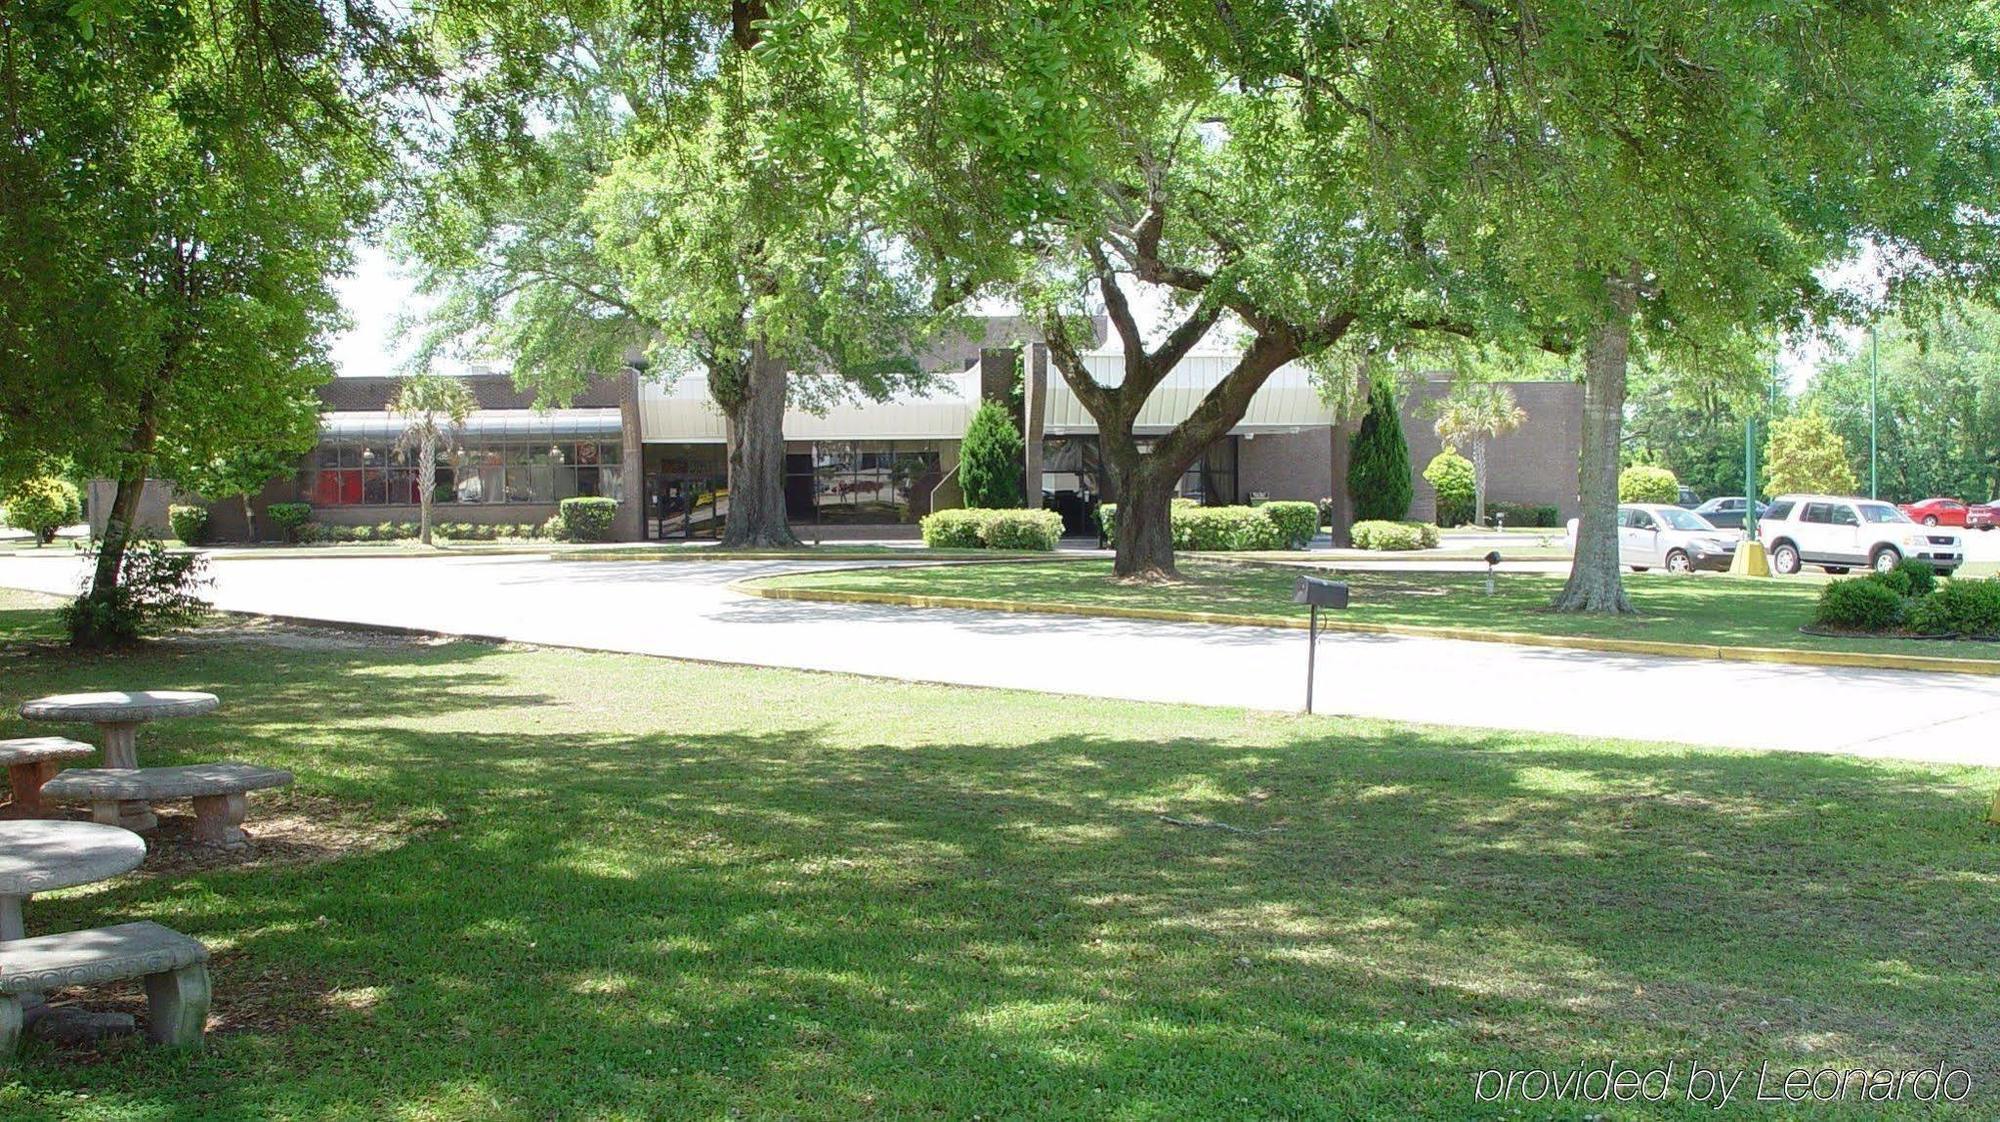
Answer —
433 410
1473 415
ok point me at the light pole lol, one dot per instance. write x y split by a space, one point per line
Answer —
1874 407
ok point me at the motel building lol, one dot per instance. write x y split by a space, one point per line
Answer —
862 470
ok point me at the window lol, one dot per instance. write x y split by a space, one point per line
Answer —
1879 512
1778 512
1817 513
1643 521
1843 515
362 473
866 482
1679 519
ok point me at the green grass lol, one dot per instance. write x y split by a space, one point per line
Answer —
1705 608
626 888
828 551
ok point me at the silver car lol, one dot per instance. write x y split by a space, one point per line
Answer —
1653 536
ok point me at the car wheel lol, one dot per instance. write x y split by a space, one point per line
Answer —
1677 561
1884 559
1836 570
1639 568
1930 519
1785 560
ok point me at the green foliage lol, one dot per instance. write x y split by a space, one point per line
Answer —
1644 484
156 591
1279 525
990 463
1912 578
1378 469
1964 607
1859 604
1450 476
1936 402
1297 522
1376 534
588 519
1521 514
189 523
1805 455
43 504
289 517
992 528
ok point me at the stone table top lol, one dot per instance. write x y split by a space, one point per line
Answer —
118 706
33 749
37 856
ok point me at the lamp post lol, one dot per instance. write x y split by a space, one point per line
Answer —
1874 407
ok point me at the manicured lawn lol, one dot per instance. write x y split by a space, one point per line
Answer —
1704 608
611 887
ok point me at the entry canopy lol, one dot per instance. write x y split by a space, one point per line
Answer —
486 424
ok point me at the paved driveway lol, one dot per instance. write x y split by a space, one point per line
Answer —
683 609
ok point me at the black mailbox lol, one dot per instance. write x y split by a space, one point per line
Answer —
1320 593
1493 558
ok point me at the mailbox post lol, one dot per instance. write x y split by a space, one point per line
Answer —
1317 593
1492 563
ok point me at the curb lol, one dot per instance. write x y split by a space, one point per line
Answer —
1848 660
916 556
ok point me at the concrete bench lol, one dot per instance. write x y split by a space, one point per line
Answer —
30 762
217 790
173 965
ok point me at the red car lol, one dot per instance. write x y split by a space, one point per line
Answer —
1937 512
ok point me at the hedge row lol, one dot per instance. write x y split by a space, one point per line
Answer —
1395 535
1523 514
1278 525
992 529
1909 599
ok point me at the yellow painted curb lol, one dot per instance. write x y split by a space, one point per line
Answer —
830 555
1852 660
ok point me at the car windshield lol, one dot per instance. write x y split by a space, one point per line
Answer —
1882 512
1679 519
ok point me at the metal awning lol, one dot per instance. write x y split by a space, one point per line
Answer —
484 424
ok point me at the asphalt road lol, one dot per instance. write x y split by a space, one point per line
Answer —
684 609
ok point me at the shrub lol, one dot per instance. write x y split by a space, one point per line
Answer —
588 519
1378 464
189 523
1378 534
1522 514
290 518
157 591
1450 475
1962 607
43 504
1274 525
1296 522
989 459
1858 604
1643 484
1921 575
984 528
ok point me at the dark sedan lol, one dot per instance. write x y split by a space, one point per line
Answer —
1727 511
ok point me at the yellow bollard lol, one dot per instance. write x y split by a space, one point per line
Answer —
1749 561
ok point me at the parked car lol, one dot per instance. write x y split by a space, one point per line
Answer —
1982 516
1838 533
1688 498
1670 538
1937 512
1727 510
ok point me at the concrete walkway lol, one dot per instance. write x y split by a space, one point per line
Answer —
683 609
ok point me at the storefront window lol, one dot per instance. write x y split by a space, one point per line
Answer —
864 482
357 473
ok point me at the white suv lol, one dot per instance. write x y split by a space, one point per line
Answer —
1839 533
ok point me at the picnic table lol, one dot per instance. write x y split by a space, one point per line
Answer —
119 714
41 856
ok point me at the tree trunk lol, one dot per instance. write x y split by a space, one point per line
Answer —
118 529
1145 531
756 515
1594 585
1479 481
427 473
249 518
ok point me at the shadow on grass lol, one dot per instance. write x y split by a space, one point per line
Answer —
815 897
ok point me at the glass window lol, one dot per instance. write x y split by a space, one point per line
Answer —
1880 512
1778 512
1643 521
1843 515
1817 513
1679 519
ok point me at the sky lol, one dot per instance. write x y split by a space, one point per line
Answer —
379 293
